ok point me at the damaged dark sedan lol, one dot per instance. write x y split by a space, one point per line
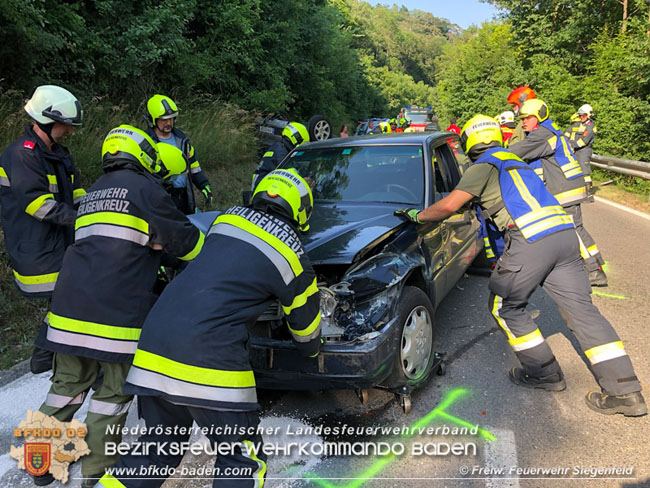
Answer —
380 278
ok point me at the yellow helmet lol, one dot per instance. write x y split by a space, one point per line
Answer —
285 192
132 144
296 133
172 158
534 107
480 133
161 107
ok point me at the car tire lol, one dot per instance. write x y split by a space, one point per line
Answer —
414 357
320 128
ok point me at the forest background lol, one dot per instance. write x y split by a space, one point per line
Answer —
224 62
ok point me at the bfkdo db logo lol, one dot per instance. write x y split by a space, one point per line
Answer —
50 446
37 457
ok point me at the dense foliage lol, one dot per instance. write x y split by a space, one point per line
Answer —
344 58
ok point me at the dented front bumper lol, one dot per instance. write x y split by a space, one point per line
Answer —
340 365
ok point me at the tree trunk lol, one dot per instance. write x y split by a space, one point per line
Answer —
624 25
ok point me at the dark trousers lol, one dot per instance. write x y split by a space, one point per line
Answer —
554 263
240 468
588 249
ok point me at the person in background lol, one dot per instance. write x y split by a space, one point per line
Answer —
516 98
372 129
344 131
161 118
546 149
453 127
293 135
581 134
507 122
39 189
432 126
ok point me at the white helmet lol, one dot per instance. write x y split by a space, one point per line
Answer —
505 117
586 109
51 104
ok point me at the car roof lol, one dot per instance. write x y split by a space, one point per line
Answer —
383 139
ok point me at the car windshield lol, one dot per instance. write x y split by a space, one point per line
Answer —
363 173
417 117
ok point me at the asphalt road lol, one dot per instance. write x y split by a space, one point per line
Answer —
522 432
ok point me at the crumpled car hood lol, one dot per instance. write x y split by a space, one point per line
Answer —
339 231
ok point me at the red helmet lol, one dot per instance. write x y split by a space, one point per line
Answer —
519 95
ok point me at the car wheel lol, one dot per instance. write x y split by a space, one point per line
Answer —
414 357
320 128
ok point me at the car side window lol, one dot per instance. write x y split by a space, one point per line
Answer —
441 183
449 166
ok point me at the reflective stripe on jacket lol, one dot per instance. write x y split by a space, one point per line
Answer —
105 286
38 190
194 346
547 144
535 212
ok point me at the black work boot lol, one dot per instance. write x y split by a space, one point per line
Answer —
552 382
44 479
598 277
41 360
630 405
90 480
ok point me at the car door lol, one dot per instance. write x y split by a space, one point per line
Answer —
461 228
435 244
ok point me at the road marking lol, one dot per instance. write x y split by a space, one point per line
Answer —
643 215
371 472
500 456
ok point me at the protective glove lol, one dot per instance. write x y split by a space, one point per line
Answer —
409 214
207 194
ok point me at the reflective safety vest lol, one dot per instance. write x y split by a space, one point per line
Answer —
38 190
534 210
194 346
563 154
106 284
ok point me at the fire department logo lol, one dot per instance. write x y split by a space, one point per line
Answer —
37 457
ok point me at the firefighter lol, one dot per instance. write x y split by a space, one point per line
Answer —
39 187
293 135
161 120
507 122
192 359
105 288
541 250
546 148
516 98
581 134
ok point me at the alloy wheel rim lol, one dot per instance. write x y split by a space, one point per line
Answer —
321 130
417 338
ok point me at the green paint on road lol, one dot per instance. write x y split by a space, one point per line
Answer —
438 412
608 295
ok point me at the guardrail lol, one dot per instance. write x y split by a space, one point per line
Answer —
639 169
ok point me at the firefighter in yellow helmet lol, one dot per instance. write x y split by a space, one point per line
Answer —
542 250
161 120
192 359
105 288
39 188
546 147
293 135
